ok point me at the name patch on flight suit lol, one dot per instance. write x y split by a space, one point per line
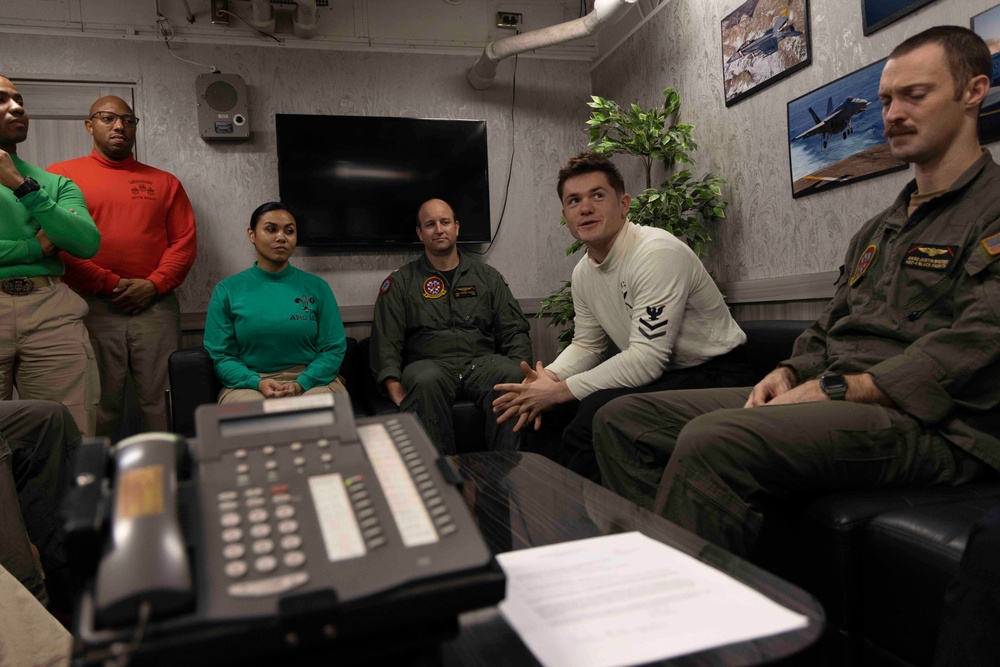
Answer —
992 244
465 291
932 257
863 263
434 288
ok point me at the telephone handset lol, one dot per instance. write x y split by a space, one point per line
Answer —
301 524
146 561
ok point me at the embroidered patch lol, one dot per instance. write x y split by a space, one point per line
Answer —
465 291
648 328
386 286
992 244
434 288
928 256
863 263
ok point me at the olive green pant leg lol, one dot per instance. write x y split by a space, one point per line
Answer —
635 435
478 380
431 388
728 464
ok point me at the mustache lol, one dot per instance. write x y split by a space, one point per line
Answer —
898 130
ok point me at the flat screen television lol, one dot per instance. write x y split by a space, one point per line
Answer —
359 180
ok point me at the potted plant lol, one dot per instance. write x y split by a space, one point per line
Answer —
687 207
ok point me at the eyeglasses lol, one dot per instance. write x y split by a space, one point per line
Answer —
109 118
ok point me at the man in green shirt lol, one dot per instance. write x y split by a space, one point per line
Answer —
44 347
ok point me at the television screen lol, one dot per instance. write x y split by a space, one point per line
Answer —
359 180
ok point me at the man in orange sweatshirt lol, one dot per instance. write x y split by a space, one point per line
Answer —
148 246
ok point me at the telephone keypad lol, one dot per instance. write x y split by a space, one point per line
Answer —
265 564
232 535
231 551
261 547
284 511
236 569
230 519
291 542
294 559
260 530
288 526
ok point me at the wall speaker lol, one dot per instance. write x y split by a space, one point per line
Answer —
222 107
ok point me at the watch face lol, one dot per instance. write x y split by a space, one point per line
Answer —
834 385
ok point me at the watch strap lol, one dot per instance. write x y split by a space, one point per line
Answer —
30 185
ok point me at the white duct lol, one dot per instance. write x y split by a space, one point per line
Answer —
261 15
481 74
304 19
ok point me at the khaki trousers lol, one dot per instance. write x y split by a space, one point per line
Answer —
228 395
136 347
45 351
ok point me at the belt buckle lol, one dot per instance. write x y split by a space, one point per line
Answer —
17 286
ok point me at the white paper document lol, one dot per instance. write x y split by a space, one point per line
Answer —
627 599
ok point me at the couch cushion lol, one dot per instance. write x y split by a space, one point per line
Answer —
910 556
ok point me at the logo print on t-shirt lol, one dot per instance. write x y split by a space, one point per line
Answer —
306 314
143 190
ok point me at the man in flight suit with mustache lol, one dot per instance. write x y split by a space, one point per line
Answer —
897 382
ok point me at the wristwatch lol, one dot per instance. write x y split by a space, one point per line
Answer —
833 385
30 185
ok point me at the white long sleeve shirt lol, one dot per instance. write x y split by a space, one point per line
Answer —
653 298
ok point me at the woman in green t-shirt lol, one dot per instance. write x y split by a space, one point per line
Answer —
273 330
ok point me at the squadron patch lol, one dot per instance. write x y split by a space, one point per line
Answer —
992 244
386 286
434 288
465 291
863 263
648 327
932 257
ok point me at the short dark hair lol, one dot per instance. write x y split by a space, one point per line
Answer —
588 162
267 208
967 53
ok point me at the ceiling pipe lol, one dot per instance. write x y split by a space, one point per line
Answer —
481 74
304 19
261 15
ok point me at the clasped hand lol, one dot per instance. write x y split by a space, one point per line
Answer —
272 388
539 391
133 295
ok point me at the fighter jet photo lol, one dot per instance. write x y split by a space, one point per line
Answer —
767 43
837 121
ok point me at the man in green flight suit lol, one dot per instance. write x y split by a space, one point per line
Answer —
897 382
446 328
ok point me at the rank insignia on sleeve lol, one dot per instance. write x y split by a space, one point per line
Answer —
865 261
932 257
649 327
465 291
434 288
386 286
992 244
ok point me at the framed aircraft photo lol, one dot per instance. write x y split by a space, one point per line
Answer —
877 14
987 26
763 41
835 134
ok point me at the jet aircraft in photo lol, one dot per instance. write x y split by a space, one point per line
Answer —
767 43
836 121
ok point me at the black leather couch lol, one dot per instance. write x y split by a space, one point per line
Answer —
878 561
193 383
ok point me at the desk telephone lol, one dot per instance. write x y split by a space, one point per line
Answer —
297 529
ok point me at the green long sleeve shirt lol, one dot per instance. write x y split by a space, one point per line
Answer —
263 322
47 209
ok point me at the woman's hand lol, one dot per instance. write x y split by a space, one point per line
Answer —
271 388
